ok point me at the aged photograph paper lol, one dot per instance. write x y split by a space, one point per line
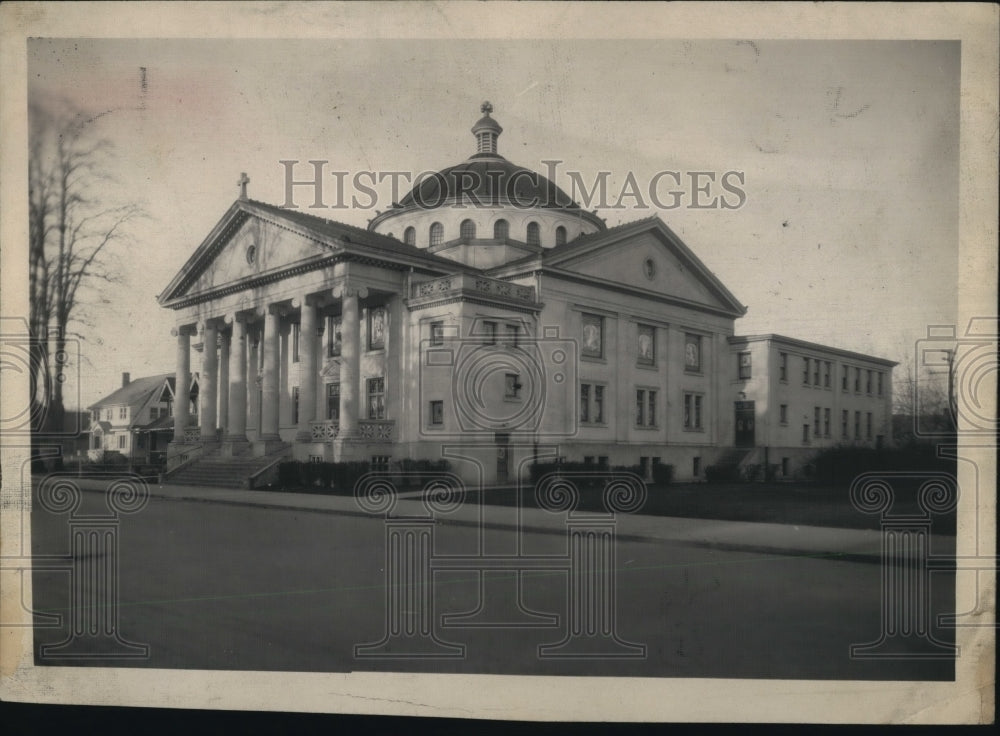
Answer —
554 361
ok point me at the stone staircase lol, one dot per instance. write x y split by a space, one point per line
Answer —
216 471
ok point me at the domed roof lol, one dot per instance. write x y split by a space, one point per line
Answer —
487 180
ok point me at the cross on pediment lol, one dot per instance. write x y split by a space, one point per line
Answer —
244 180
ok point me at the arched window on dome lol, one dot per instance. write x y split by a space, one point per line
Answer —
501 230
533 236
437 233
410 236
467 230
560 235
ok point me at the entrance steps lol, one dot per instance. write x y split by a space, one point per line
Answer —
216 471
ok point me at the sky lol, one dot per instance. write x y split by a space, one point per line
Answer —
848 152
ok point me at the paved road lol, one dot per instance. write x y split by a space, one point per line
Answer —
235 580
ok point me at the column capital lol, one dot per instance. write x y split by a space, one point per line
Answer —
183 330
342 291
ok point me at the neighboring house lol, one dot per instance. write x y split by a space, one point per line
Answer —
489 319
136 421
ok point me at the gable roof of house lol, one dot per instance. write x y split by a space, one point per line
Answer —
137 391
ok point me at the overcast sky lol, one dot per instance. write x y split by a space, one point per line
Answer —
849 232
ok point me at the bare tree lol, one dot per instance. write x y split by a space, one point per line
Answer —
922 401
71 229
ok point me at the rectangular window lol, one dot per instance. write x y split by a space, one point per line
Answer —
880 386
333 336
843 423
805 371
805 434
826 422
512 333
512 386
646 346
295 404
376 398
154 413
868 383
744 366
376 328
816 413
140 440
599 404
123 412
843 379
437 333
489 332
333 402
783 413
593 336
584 403
296 332
857 380
645 407
815 372
692 411
437 413
868 425
692 352
827 369
380 463
121 442
857 425
588 459
783 366
696 466
602 461
784 466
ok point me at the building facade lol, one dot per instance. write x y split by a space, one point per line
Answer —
485 319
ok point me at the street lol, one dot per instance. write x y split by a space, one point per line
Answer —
212 585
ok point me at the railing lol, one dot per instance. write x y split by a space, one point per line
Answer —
192 434
377 430
178 460
325 431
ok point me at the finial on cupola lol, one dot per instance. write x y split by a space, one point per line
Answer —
244 180
486 131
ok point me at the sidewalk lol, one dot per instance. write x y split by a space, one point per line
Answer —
848 545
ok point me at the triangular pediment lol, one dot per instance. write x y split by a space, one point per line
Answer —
255 242
645 255
242 248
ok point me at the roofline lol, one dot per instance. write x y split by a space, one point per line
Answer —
628 289
596 220
796 342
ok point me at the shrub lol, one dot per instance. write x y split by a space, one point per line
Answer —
729 473
843 463
663 473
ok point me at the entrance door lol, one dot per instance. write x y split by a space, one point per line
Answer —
745 423
503 457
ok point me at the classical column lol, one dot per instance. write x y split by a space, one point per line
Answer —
237 424
182 383
208 382
307 368
350 357
224 353
269 410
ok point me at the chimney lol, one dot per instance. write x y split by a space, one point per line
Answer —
125 379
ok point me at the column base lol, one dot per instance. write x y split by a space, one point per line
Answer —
267 444
235 445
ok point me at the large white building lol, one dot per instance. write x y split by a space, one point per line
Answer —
487 319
